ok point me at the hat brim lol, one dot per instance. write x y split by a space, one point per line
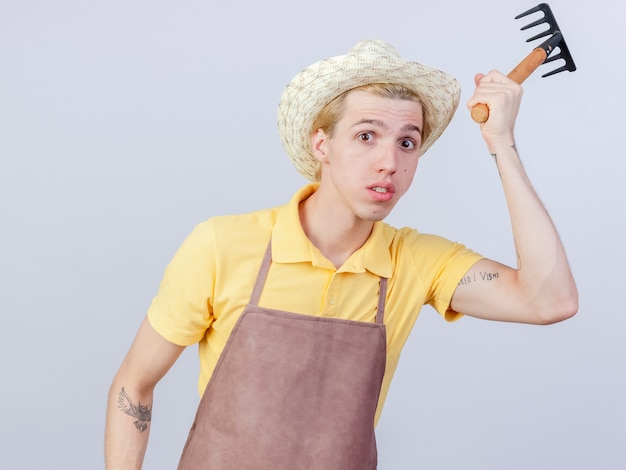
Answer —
370 61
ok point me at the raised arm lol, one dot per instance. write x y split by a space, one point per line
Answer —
129 408
541 289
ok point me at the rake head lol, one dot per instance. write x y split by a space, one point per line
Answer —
555 38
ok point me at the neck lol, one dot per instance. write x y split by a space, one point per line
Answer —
336 235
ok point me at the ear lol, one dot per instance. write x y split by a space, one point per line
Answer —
319 145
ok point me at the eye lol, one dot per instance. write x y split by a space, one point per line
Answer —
365 137
407 144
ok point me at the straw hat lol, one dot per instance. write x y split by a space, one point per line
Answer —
370 61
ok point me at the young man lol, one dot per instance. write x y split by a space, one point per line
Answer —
301 311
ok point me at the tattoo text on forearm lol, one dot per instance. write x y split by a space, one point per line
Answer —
475 277
141 413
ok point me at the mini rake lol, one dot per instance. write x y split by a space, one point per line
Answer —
541 54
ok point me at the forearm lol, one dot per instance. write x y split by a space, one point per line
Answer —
129 407
127 427
544 275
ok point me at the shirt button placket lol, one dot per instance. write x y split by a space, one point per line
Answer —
332 296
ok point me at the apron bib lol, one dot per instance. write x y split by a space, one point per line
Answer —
291 391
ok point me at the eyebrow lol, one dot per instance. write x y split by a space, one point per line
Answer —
380 123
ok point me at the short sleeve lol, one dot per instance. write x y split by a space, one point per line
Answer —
181 311
443 263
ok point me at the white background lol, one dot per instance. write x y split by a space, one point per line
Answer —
125 123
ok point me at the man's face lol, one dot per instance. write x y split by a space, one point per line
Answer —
370 160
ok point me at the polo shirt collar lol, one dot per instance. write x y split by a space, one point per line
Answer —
290 244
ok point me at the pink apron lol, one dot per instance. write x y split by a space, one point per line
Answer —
291 391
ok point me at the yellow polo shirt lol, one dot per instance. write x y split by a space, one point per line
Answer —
210 279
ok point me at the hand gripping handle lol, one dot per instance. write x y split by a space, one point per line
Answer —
480 111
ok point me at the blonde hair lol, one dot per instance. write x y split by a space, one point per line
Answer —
330 115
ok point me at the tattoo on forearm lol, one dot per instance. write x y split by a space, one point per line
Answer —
481 276
141 413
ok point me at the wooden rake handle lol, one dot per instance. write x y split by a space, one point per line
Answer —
523 70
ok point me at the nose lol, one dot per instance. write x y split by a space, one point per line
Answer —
387 161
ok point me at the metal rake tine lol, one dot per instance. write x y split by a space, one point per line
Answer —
547 18
543 34
563 54
530 11
534 23
552 58
542 8
563 68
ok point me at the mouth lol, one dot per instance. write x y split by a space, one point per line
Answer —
382 192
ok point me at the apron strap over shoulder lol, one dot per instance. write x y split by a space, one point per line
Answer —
382 296
262 275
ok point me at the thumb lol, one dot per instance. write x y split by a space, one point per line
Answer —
478 77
